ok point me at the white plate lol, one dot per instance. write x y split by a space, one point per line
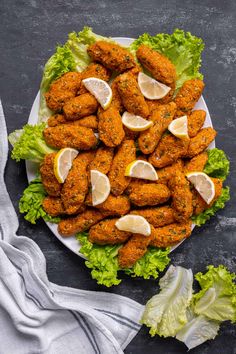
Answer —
71 242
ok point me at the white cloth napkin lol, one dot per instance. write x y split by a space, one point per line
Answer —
37 316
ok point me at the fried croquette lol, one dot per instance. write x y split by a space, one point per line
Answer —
135 183
131 96
49 181
197 163
168 172
159 66
196 120
102 160
62 90
112 56
150 194
75 188
201 141
113 206
188 95
152 105
171 234
79 223
53 206
106 233
87 122
116 101
181 197
169 150
110 126
161 118
158 216
69 135
94 70
134 249
126 153
80 106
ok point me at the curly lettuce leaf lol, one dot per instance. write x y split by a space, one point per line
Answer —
29 144
103 262
166 312
217 164
202 218
182 48
217 298
31 203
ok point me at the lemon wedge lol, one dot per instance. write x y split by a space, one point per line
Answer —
141 169
134 223
151 88
135 123
203 185
63 163
100 90
100 187
179 127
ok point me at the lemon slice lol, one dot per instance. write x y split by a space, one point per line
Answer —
135 123
151 88
134 223
179 127
203 185
100 90
100 187
141 169
63 162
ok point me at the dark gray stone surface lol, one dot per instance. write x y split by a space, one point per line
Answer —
30 29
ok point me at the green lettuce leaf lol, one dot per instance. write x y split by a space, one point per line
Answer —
217 298
202 218
103 262
217 164
29 144
182 48
31 203
166 312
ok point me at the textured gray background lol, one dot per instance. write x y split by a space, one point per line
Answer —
29 32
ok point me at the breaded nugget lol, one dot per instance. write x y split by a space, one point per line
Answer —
130 134
152 105
188 95
135 183
94 70
181 197
79 223
112 56
159 66
126 153
199 204
201 141
134 249
161 118
158 216
53 206
150 194
197 163
131 96
75 188
169 150
106 233
49 181
113 206
62 90
80 106
116 101
196 120
168 172
87 122
110 126
102 160
69 135
171 234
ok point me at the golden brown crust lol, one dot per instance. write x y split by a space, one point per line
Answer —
110 126
106 233
158 216
188 95
88 122
171 234
102 160
80 106
94 70
126 153
113 206
150 194
112 56
49 181
168 172
196 120
70 135
161 118
197 163
53 206
201 141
